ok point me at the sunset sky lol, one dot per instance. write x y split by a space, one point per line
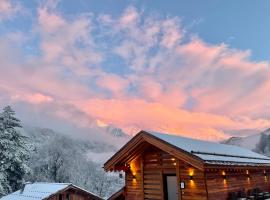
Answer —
194 68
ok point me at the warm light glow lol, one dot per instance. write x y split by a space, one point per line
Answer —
132 167
192 184
133 170
173 159
248 176
134 177
191 172
224 175
224 182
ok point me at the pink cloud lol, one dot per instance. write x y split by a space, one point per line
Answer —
8 9
50 21
151 90
171 33
129 16
60 39
171 82
113 83
139 114
36 98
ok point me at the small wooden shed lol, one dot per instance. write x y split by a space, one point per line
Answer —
162 166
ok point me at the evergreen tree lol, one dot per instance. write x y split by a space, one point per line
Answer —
14 152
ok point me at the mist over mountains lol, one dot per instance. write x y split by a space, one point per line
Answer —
94 147
60 157
259 142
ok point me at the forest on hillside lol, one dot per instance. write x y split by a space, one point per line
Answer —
55 159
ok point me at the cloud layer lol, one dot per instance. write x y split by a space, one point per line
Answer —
134 70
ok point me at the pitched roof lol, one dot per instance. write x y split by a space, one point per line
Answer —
212 152
40 191
193 151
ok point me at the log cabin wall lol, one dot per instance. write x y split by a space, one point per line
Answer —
151 167
133 180
196 188
234 181
156 164
145 179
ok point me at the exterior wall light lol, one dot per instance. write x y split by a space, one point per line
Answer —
248 174
134 176
224 175
191 173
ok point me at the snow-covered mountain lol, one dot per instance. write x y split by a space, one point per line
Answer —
98 149
248 142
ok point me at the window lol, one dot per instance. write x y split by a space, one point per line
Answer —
60 197
67 196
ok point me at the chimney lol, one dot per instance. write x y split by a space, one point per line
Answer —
23 186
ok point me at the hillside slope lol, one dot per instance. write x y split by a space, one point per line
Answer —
248 142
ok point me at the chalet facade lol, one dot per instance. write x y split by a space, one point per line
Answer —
161 166
51 191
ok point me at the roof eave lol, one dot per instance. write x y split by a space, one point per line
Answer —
236 165
161 144
108 165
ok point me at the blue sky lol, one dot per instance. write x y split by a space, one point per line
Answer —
187 67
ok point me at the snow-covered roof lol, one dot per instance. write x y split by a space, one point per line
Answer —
38 191
214 153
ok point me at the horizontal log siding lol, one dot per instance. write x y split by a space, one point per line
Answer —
194 189
133 185
235 181
156 164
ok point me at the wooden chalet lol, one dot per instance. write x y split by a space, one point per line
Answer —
162 166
